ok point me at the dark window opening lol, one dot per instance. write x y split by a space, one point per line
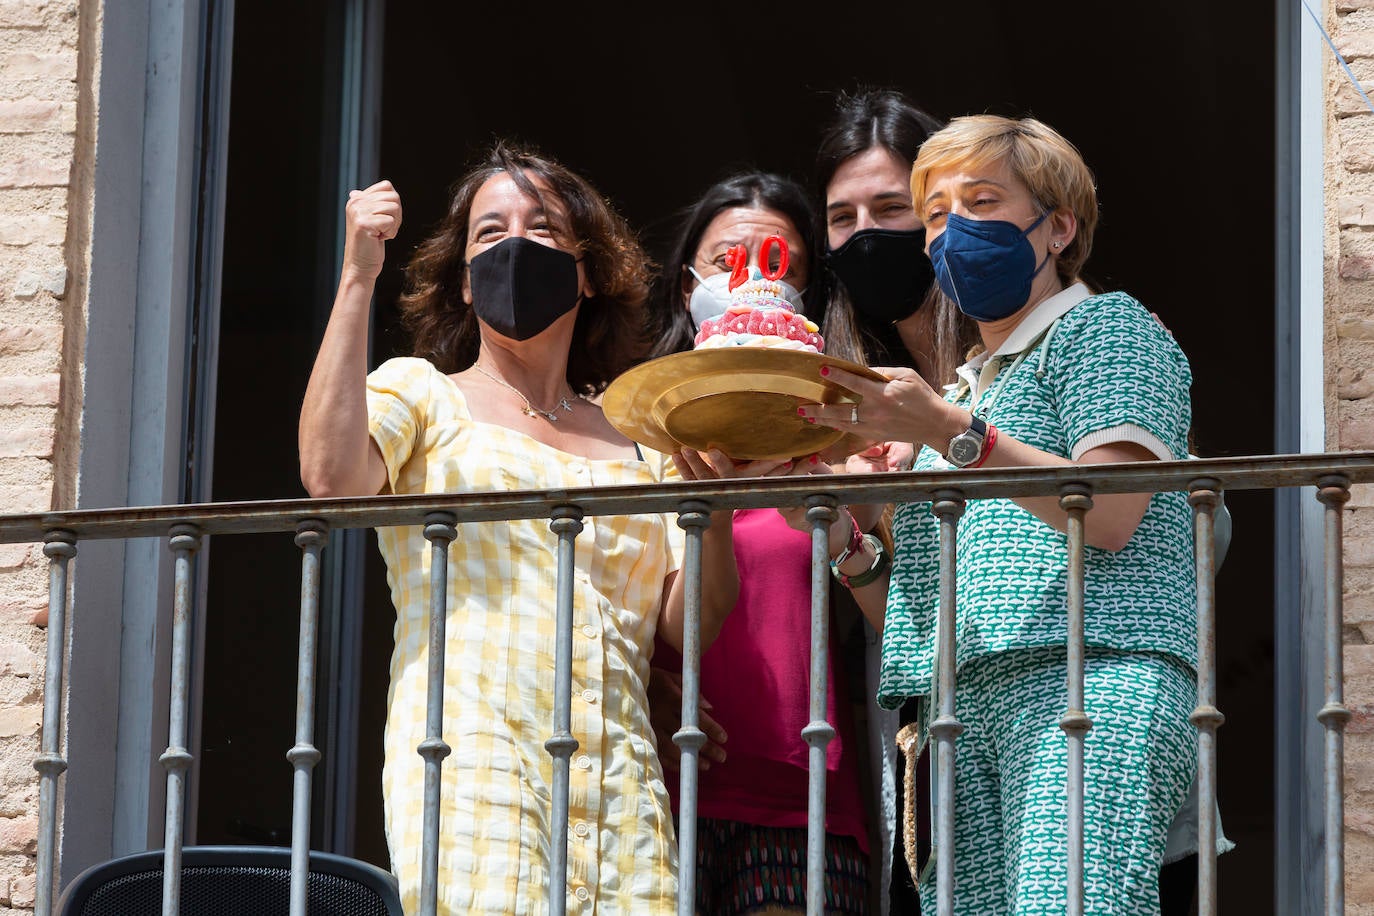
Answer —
651 120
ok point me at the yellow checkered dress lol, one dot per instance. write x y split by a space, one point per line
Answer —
496 803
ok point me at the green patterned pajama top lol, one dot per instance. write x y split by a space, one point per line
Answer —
1107 372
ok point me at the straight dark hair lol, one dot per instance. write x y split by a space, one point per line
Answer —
881 119
868 119
670 327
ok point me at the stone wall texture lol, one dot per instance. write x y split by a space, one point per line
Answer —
1349 347
41 318
1349 404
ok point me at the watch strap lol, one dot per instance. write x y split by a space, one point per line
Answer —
977 431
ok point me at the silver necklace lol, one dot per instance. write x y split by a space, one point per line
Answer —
529 409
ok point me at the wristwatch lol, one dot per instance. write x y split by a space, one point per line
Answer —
965 448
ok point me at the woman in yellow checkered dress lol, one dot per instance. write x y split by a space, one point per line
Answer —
524 303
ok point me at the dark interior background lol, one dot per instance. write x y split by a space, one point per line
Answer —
1173 110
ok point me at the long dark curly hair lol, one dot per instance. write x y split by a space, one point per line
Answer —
608 336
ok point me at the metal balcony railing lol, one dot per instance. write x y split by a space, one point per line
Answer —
186 526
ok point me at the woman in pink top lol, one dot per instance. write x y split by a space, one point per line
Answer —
752 802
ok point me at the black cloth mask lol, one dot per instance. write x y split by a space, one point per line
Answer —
885 271
520 287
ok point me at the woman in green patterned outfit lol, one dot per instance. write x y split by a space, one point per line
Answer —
1065 376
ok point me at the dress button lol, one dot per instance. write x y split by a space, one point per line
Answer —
584 762
589 631
577 468
581 830
582 894
588 696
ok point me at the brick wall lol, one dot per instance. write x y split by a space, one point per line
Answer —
1349 280
41 88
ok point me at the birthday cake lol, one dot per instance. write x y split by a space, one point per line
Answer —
759 316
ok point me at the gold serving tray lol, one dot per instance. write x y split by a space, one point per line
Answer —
741 400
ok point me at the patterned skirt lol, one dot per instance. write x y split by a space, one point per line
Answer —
744 868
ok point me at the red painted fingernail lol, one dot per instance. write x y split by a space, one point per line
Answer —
814 459
825 370
801 411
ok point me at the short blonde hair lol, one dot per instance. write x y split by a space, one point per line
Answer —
1038 156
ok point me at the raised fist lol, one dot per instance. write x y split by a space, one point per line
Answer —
371 216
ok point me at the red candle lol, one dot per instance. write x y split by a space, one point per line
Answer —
782 257
737 258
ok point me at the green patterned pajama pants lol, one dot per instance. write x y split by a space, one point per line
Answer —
1011 836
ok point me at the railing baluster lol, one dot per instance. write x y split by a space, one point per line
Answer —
440 532
1203 496
311 536
59 547
818 732
1076 500
184 541
1333 492
948 506
566 523
693 517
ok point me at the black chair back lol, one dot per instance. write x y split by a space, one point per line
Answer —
230 881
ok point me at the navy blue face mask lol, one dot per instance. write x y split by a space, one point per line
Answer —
986 265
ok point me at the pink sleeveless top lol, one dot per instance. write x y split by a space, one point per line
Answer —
756 675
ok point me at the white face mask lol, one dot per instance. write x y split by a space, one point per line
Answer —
712 296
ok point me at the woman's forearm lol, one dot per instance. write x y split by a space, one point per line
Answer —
872 600
337 455
719 586
864 568
1113 518
1108 525
905 409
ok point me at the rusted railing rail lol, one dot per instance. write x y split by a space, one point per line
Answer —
1256 473
186 526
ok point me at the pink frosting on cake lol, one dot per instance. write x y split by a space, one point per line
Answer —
759 316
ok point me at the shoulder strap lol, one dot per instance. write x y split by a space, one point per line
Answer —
1045 338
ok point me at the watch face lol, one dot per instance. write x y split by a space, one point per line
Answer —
964 449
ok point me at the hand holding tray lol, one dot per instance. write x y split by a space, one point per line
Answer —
741 400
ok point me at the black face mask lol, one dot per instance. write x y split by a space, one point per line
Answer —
520 287
885 271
